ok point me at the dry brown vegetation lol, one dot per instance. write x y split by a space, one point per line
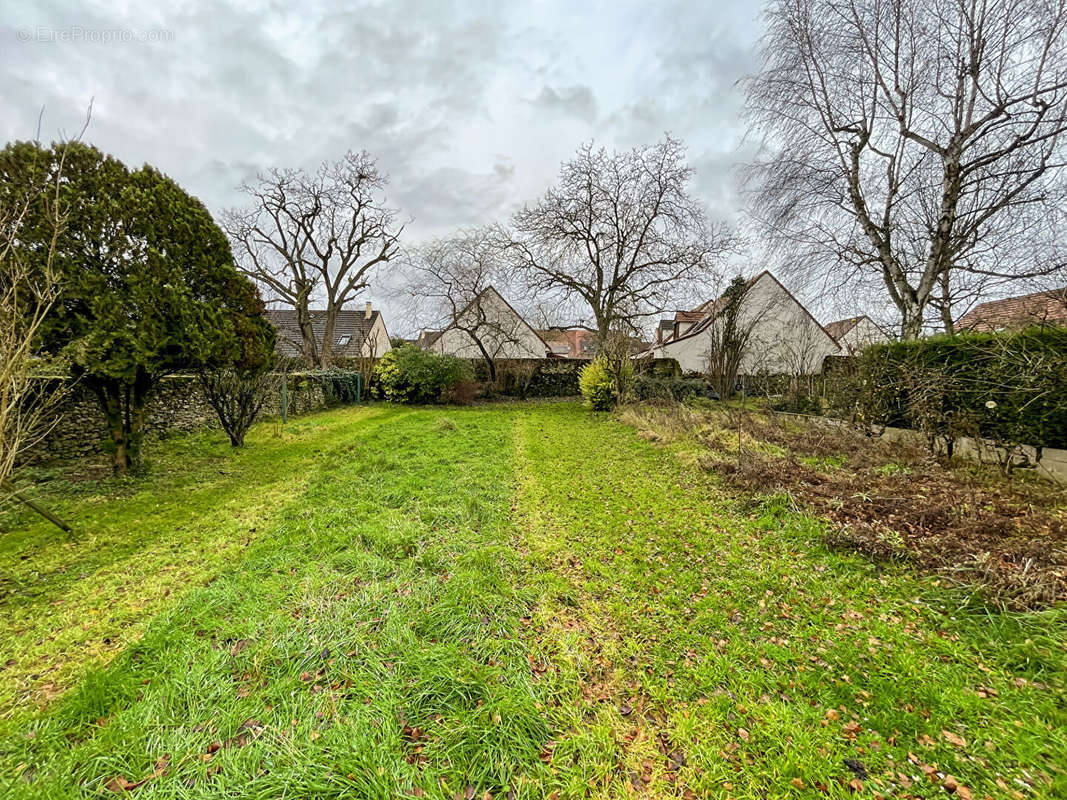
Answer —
888 500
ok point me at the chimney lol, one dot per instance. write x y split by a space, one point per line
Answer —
368 311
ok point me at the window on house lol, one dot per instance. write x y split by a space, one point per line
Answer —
344 340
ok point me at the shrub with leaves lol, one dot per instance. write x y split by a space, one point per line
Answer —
409 374
603 387
147 283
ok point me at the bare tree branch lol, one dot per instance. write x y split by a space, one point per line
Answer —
620 232
316 238
916 142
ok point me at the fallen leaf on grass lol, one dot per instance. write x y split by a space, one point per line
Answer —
955 739
741 732
120 784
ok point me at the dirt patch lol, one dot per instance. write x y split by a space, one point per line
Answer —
1007 538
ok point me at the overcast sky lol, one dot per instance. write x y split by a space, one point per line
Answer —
468 106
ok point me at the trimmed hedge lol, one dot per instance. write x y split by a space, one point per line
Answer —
531 377
339 387
664 387
1007 387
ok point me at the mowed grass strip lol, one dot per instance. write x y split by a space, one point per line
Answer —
69 601
688 643
530 601
364 646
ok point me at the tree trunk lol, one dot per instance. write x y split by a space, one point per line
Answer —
326 348
142 385
946 305
109 394
911 321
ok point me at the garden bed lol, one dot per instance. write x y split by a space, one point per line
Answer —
1005 537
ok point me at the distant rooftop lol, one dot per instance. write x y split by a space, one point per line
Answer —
1038 308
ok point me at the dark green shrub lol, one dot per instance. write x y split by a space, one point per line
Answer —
798 403
339 387
409 374
556 379
1007 387
667 387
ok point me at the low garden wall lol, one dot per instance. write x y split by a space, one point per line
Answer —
178 405
1047 461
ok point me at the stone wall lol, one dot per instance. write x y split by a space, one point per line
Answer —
178 405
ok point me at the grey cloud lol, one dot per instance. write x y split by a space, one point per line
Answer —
577 101
468 106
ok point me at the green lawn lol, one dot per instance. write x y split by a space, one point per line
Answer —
509 601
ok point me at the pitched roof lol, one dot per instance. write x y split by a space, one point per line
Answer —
433 336
1038 308
427 338
351 329
843 326
689 316
577 342
711 309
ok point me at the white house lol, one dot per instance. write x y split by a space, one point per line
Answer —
488 321
855 333
782 335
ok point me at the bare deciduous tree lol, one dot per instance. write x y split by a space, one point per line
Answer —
316 238
915 143
27 294
454 282
729 335
620 232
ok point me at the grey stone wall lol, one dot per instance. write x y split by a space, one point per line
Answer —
178 405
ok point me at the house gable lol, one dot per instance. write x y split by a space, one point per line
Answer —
508 335
785 337
855 333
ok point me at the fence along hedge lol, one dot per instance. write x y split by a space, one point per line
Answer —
1007 387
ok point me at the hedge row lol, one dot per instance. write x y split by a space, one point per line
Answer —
1007 387
531 377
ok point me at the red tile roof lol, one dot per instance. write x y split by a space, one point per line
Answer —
1039 308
